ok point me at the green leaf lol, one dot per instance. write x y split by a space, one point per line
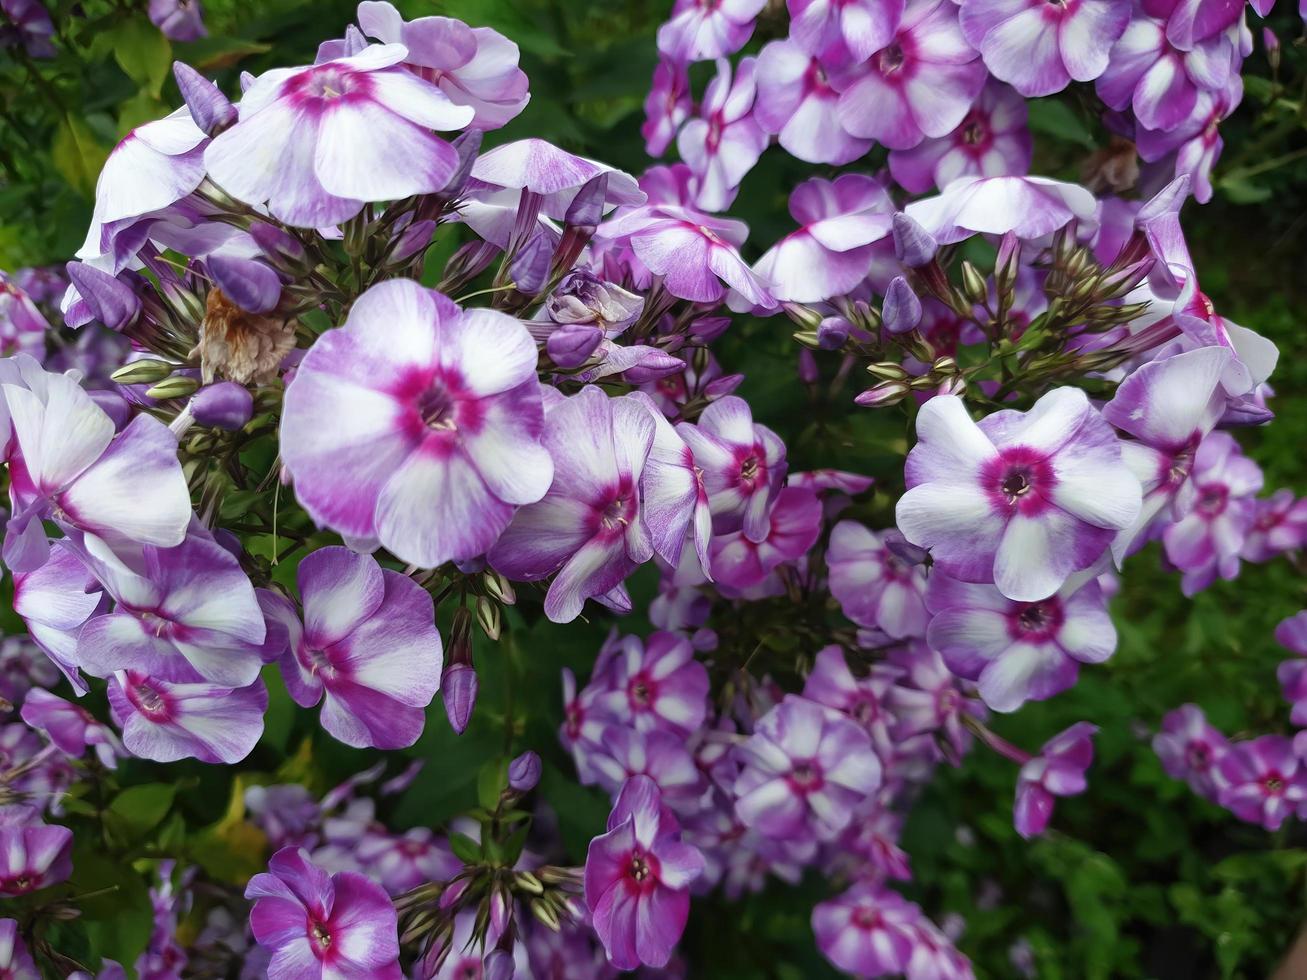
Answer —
77 155
209 53
143 53
491 781
118 915
465 848
139 809
1055 118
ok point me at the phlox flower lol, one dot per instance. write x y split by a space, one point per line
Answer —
15 959
1194 144
314 144
33 855
928 698
473 66
837 29
724 142
178 20
1190 748
1279 525
622 752
700 30
637 878
919 85
401 862
656 684
873 585
30 26
667 105
165 721
55 601
1018 651
833 250
319 926
991 141
67 463
804 769
868 930
743 466
535 166
1058 770
1023 499
22 325
590 528
417 425
185 615
864 699
794 525
1217 510
367 648
798 103
1029 207
1264 780
71 728
1039 48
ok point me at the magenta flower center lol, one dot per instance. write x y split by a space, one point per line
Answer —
975 132
1018 479
149 701
1037 620
1273 783
327 84
867 918
806 776
316 661
436 408
642 871
641 691
617 513
890 59
321 936
1212 500
865 710
1199 756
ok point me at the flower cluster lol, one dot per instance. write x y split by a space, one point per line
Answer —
942 86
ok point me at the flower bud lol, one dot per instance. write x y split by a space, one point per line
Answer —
973 284
211 110
488 617
808 338
178 386
468 147
249 284
805 316
833 332
282 250
889 370
111 301
587 208
719 387
582 297
1272 44
903 549
809 374
498 965
499 588
529 270
458 689
412 240
881 395
901 310
143 372
524 772
225 405
572 344
913 245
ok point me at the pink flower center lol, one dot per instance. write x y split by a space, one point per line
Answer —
149 700
974 132
865 710
320 935
891 59
1273 783
436 407
618 512
642 871
641 691
1199 756
328 83
316 661
1212 500
867 918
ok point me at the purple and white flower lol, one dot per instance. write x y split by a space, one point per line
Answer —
874 586
1191 749
33 855
1265 781
1058 770
724 142
165 721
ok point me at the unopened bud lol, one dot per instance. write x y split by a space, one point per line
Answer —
458 689
524 772
178 386
543 911
888 370
282 250
210 109
901 311
805 316
882 395
913 245
809 339
973 284
529 270
143 372
109 299
527 882
808 371
499 587
488 616
498 965
225 405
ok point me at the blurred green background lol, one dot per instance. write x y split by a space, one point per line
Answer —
1138 878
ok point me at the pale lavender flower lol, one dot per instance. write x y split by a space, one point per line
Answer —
656 684
844 29
314 144
71 728
794 524
919 85
287 813
833 250
1218 510
1291 633
928 698
15 960
417 425
1039 48
1157 80
1195 144
700 30
1023 499
724 141
805 767
1058 770
178 20
54 602
29 25
69 465
991 141
367 648
934 957
165 721
473 66
874 586
637 879
401 862
1265 781
1029 207
33 855
185 614
537 167
798 103
621 752
864 699
22 326
1191 749
1279 525
319 926
867 931
1018 651
743 466
24 667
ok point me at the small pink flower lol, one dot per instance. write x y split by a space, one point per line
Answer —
724 142
1058 770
